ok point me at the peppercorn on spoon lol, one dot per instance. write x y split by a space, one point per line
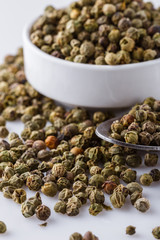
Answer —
103 132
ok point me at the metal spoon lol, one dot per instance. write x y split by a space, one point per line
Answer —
103 131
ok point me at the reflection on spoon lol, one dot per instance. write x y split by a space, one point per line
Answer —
103 131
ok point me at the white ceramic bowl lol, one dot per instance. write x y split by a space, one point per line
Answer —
87 85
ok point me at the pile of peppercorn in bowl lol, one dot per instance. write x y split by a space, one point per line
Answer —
95 54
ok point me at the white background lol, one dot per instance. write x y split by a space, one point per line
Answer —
108 225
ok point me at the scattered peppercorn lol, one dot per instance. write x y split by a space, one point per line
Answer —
142 204
130 230
60 156
3 227
156 232
42 212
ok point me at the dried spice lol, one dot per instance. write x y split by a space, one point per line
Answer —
76 236
49 189
66 156
140 126
117 199
3 132
135 196
34 182
29 206
142 205
65 194
109 187
134 187
87 236
155 174
8 191
156 232
60 207
151 160
146 179
130 230
3 227
19 195
42 212
99 32
95 209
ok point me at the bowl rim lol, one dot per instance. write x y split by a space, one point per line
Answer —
26 39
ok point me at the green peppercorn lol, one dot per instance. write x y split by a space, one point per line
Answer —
146 179
3 227
142 205
95 209
133 187
117 199
150 160
87 49
60 207
96 180
133 160
34 182
135 196
131 137
29 206
76 236
65 194
156 232
19 195
130 230
3 132
127 44
49 189
128 175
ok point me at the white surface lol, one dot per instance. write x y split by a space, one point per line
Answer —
108 225
89 85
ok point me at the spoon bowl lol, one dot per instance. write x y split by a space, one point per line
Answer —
103 132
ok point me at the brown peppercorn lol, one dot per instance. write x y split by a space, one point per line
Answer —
89 236
76 151
155 174
51 142
109 186
43 212
126 120
124 24
38 145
